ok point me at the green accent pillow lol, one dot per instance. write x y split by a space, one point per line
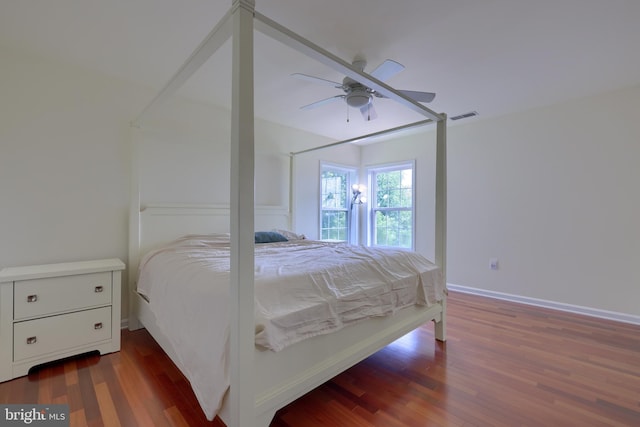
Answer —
269 237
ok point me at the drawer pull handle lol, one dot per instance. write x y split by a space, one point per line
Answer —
98 289
32 340
32 298
97 325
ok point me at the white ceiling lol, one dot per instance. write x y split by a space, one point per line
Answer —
492 56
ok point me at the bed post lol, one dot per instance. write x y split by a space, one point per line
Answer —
441 217
134 230
292 189
241 305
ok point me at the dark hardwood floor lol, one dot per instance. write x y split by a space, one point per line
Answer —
504 364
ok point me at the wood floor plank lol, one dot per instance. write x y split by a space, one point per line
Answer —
45 386
504 364
70 373
175 418
88 391
124 411
108 412
77 418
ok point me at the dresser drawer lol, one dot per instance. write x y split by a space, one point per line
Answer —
41 297
63 332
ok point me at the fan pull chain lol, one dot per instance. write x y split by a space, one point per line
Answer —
347 114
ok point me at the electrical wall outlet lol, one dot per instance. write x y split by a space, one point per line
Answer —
493 263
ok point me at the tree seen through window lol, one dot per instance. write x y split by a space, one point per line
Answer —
393 210
334 216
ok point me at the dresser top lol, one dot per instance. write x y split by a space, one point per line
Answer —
11 274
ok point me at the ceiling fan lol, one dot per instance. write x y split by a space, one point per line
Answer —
360 96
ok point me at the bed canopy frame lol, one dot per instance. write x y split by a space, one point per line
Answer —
239 24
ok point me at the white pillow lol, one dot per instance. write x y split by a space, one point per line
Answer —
290 235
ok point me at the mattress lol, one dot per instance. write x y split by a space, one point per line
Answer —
303 288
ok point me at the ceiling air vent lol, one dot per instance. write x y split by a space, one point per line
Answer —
464 116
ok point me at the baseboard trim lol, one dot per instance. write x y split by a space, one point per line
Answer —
587 311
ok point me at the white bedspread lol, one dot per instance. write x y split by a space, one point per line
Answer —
303 288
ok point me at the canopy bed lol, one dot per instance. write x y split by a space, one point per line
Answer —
261 381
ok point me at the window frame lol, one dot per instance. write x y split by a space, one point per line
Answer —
351 173
371 172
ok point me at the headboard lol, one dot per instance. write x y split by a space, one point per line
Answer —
163 223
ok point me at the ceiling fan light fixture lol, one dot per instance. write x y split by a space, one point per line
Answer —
358 98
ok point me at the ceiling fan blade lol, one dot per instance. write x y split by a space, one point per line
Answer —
321 102
387 69
316 80
419 96
368 112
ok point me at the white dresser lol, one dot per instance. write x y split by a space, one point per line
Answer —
48 312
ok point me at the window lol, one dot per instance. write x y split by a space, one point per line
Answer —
392 205
335 215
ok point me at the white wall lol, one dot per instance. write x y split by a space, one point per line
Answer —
184 156
64 175
552 193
